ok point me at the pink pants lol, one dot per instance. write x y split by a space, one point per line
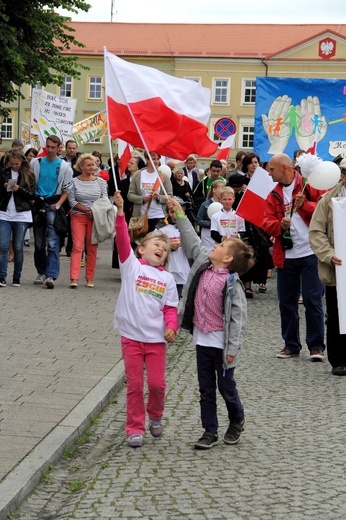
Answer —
136 355
81 227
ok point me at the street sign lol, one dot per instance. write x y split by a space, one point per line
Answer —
224 127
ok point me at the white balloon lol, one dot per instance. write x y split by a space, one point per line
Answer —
214 208
165 170
324 176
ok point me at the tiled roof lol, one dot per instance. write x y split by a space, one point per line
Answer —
194 40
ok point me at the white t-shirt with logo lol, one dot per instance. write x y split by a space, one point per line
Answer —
299 230
145 290
148 181
226 223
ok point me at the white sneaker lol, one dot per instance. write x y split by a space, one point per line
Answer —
49 283
135 440
40 279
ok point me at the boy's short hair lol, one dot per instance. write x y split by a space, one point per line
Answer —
227 191
158 235
243 255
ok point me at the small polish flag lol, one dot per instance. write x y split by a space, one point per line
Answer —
253 203
225 148
151 109
125 154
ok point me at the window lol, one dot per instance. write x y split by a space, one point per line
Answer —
249 92
66 88
221 91
247 131
197 80
7 128
95 87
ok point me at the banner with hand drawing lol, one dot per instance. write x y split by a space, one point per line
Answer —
293 113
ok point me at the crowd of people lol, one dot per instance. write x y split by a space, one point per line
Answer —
196 250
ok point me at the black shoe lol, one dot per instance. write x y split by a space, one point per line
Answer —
16 282
339 371
207 441
233 432
2 282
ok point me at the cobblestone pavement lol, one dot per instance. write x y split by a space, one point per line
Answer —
55 346
289 463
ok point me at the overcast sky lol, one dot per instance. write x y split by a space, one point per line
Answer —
209 11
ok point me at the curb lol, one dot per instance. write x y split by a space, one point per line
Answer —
19 483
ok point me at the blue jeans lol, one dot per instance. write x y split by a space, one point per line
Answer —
288 286
210 367
18 231
47 247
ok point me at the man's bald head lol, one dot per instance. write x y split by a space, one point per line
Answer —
281 169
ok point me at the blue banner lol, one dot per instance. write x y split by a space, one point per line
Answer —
294 113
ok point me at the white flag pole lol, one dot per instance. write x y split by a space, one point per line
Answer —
136 125
109 134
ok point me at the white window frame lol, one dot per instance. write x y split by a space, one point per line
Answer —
215 89
243 91
7 128
67 84
95 84
196 79
245 123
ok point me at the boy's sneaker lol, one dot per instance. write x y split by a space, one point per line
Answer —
49 283
156 428
16 282
233 432
207 441
2 282
286 353
135 440
40 279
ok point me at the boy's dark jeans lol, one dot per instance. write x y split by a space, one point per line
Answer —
210 370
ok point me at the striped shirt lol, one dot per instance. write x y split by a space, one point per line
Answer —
85 192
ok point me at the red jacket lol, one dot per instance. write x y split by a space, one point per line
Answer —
275 211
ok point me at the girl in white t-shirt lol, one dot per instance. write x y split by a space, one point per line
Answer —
146 316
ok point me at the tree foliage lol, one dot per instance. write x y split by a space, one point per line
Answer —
32 38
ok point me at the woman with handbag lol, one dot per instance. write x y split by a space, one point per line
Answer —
17 190
86 188
146 194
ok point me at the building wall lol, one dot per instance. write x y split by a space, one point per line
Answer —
300 62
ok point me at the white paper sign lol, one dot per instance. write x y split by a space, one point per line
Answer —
339 219
51 114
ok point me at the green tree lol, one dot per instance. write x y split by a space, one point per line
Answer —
32 38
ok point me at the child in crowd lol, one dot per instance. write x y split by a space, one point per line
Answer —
225 223
147 317
215 312
179 265
203 220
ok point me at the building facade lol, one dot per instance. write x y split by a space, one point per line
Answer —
226 58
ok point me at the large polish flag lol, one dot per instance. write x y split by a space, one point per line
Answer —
253 203
147 107
225 148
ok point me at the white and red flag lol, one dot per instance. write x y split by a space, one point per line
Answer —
253 203
153 110
125 154
225 148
